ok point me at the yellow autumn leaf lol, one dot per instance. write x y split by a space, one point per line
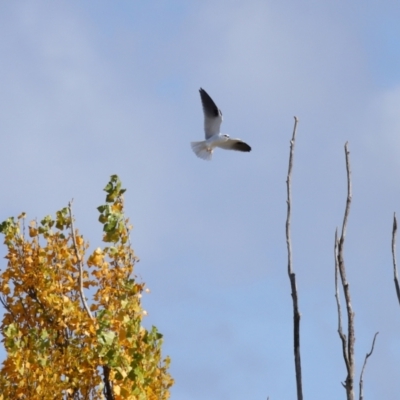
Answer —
122 334
117 207
117 389
33 231
5 289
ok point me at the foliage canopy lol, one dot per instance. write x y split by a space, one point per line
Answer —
58 345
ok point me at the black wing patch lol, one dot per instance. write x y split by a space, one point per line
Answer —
209 107
241 146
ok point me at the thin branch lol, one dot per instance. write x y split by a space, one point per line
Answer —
349 194
348 351
289 197
9 309
80 262
396 278
339 308
292 275
365 363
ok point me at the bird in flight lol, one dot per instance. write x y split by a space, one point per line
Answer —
214 138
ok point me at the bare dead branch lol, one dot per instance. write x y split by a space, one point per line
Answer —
347 343
339 308
396 278
292 275
365 363
289 197
80 262
349 194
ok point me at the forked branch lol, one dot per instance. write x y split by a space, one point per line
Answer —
347 341
292 275
365 363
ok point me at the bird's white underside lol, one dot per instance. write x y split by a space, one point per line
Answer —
205 148
212 126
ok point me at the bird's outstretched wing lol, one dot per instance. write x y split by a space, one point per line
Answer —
212 115
235 144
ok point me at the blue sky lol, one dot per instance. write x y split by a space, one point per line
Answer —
90 89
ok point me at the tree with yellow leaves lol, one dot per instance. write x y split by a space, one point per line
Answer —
60 345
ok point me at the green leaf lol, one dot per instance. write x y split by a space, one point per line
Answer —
6 225
47 221
113 188
108 337
103 219
44 334
11 330
62 218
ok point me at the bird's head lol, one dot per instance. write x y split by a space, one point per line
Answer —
225 137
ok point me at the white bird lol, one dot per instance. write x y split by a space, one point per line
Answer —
214 138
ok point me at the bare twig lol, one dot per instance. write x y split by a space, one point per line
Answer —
396 278
365 363
347 343
80 262
292 275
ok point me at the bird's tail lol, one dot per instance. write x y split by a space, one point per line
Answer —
202 150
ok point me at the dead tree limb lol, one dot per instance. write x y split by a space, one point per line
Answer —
365 363
396 278
342 336
347 342
292 275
